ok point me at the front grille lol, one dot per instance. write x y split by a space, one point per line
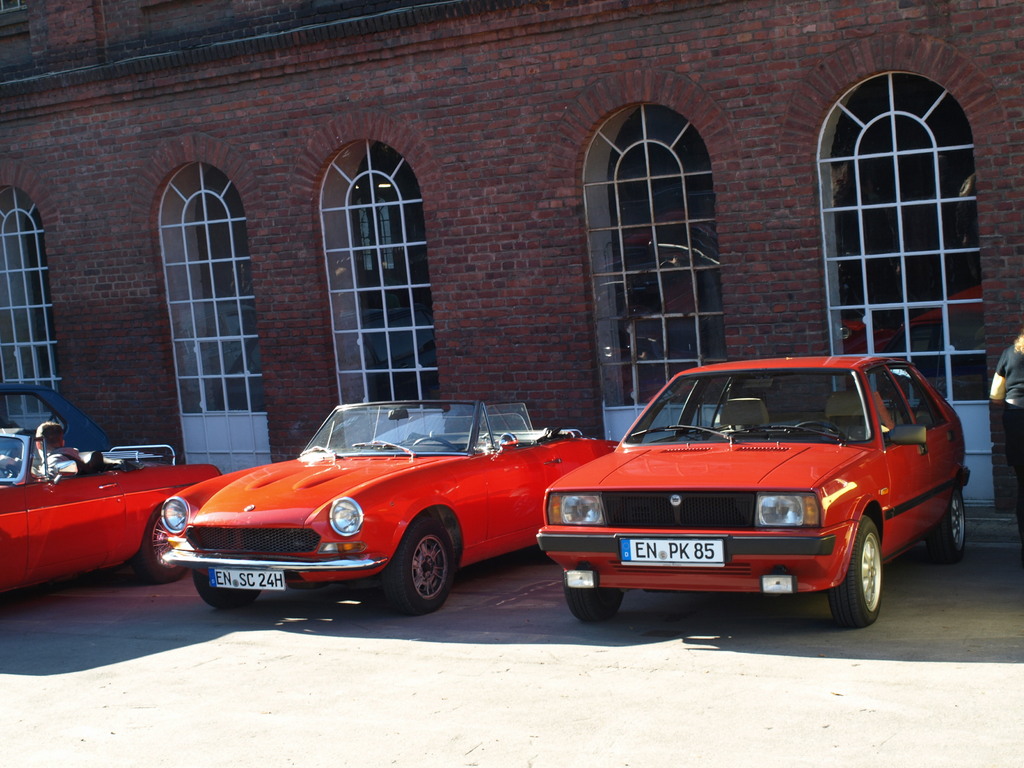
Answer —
277 540
695 510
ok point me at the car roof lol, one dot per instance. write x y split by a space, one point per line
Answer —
833 362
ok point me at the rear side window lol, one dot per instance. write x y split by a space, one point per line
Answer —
922 406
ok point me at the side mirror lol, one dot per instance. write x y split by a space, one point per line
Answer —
63 468
908 434
507 440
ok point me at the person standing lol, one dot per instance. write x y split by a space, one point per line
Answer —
1008 386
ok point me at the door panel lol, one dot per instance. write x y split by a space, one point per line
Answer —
73 525
13 536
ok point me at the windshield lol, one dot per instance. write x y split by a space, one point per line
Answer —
12 458
412 427
774 405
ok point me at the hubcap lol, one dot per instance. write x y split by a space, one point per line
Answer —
956 519
429 567
871 572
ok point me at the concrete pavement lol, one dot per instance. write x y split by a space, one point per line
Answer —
107 673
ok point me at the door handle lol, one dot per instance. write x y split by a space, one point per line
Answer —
553 461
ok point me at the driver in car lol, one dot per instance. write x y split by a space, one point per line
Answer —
51 449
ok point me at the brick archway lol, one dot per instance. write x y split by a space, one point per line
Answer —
855 62
584 116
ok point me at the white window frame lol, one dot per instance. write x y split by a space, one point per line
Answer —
388 360
28 345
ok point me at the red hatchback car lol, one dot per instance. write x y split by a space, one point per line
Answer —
774 476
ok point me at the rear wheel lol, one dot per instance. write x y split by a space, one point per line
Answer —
855 601
148 563
946 542
221 597
597 604
419 578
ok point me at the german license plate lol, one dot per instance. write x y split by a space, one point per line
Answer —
672 551
235 578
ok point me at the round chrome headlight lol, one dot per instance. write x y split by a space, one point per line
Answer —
174 514
346 516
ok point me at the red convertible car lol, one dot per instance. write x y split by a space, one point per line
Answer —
67 524
773 476
396 494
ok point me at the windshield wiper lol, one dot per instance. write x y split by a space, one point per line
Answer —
384 444
680 428
793 428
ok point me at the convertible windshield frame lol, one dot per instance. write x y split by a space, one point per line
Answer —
402 428
776 405
15 458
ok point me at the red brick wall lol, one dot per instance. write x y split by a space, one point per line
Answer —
493 104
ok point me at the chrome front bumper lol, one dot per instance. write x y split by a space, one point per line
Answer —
199 560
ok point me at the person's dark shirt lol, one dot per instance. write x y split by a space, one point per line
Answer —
1011 368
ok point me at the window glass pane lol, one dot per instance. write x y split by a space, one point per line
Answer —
924 278
879 180
633 164
634 203
880 230
920 227
911 134
885 280
917 177
970 378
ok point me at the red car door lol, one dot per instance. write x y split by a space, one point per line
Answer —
73 525
914 502
13 536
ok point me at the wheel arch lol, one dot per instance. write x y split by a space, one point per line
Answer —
447 517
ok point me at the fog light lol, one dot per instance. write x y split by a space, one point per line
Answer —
778 584
580 579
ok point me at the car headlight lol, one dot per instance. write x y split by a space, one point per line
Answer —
575 509
346 516
174 514
787 509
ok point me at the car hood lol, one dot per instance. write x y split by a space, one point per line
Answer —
714 467
288 493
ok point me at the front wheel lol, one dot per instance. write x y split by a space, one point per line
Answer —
149 563
947 540
596 604
221 597
856 599
419 578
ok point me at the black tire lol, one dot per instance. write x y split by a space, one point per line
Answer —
948 539
856 600
597 604
221 597
419 577
148 563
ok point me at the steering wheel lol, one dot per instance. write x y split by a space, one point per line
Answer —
12 469
439 440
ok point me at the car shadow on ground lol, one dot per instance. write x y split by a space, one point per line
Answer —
965 613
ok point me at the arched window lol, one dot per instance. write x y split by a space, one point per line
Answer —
213 320
376 253
899 218
650 209
900 227
27 341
